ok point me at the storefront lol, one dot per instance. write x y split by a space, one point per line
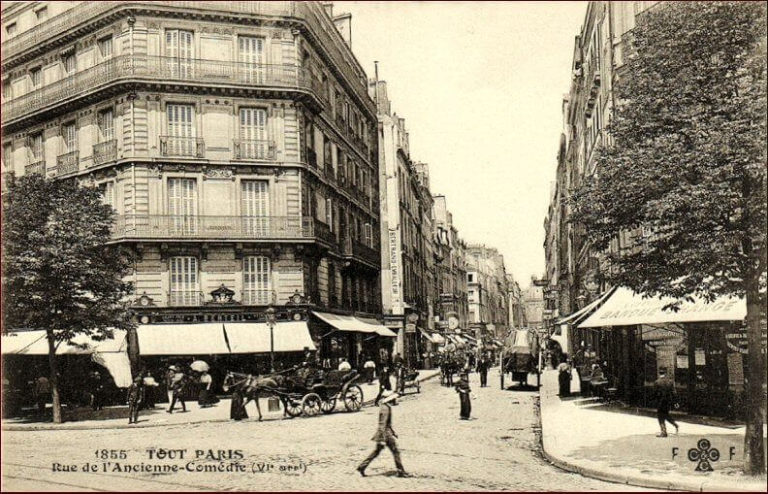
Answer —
702 347
351 338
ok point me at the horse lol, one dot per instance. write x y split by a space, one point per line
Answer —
253 387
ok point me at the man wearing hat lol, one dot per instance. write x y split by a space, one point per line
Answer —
385 436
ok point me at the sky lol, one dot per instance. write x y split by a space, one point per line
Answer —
480 86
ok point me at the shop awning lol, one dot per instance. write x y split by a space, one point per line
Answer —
350 323
35 343
380 329
182 339
626 308
111 353
574 317
246 337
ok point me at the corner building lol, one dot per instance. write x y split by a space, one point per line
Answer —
236 142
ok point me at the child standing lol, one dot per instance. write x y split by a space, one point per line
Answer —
135 399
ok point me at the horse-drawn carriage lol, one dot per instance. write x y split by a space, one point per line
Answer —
302 391
519 357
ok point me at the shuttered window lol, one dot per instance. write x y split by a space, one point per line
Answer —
254 206
36 147
106 122
179 52
36 76
257 281
253 133
70 63
250 51
181 130
108 193
69 132
329 213
184 285
182 205
105 47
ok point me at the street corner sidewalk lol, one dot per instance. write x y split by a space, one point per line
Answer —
623 448
117 417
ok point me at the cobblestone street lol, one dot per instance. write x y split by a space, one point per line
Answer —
497 450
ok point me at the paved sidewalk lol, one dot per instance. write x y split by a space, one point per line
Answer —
621 447
117 417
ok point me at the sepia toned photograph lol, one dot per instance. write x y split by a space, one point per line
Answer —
373 246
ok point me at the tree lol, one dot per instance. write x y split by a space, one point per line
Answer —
59 274
687 163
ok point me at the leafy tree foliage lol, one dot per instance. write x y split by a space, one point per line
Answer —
58 272
687 165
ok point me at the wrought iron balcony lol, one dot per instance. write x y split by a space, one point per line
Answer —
67 163
140 68
173 227
323 232
186 298
191 147
255 149
73 22
358 250
105 151
256 297
36 167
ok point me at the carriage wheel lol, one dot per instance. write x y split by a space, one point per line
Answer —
310 404
353 398
292 406
328 406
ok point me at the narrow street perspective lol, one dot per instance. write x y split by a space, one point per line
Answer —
384 246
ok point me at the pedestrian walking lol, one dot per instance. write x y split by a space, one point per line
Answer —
204 398
462 387
41 391
136 395
564 379
97 391
385 436
667 397
178 385
369 367
150 390
384 383
482 368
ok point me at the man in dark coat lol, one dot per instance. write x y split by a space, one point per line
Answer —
385 436
665 391
384 383
482 368
462 387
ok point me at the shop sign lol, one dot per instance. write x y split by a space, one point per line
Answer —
394 267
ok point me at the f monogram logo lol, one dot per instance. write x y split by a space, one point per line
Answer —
704 453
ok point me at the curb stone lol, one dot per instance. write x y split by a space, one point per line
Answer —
64 427
704 485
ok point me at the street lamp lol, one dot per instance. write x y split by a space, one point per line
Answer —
270 313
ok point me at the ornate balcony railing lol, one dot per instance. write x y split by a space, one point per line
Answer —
67 163
255 149
66 21
36 167
360 251
256 297
323 232
192 147
150 226
185 298
169 69
105 151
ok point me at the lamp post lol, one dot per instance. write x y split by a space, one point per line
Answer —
270 312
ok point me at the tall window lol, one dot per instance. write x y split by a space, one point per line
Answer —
257 289
251 55
179 52
182 205
254 207
329 213
8 157
70 63
108 193
7 89
253 133
36 147
181 130
36 76
11 29
105 47
106 122
69 132
185 289
327 155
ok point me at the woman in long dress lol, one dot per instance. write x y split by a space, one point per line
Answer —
237 408
462 387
